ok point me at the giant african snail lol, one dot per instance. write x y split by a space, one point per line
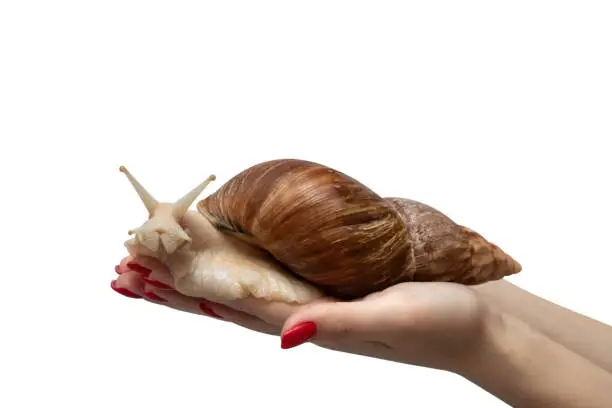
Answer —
293 230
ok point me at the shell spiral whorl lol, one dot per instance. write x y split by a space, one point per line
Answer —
339 235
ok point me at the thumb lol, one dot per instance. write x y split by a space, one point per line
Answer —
335 321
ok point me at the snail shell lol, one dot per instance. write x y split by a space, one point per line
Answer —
340 236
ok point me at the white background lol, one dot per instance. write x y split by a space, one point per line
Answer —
497 113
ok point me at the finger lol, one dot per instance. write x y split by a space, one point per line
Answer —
273 313
175 300
159 277
134 285
250 312
146 265
122 266
129 284
259 326
153 272
363 320
128 264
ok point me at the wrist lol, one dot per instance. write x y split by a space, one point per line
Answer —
507 360
525 368
488 342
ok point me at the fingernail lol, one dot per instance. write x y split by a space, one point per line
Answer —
124 291
298 334
204 307
157 284
118 269
154 297
139 268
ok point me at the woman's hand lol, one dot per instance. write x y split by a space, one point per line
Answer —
148 279
588 337
436 325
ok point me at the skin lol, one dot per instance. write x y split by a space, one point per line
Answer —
583 335
526 351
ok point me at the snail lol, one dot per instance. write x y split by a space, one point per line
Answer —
292 230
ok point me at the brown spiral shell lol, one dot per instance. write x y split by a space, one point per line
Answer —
339 235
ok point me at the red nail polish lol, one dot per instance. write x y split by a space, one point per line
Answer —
209 311
157 284
124 291
139 268
118 269
298 334
154 297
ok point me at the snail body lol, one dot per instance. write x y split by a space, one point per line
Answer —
293 230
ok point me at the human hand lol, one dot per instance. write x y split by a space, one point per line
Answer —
146 278
436 325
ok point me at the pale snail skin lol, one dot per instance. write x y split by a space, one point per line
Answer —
291 230
223 269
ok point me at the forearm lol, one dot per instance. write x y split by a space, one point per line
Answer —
524 368
585 336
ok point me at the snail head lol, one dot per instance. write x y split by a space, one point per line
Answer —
162 233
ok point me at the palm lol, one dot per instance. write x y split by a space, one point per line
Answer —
435 307
423 323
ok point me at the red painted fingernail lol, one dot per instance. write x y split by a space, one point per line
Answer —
157 284
139 268
124 291
298 334
118 269
204 307
154 297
